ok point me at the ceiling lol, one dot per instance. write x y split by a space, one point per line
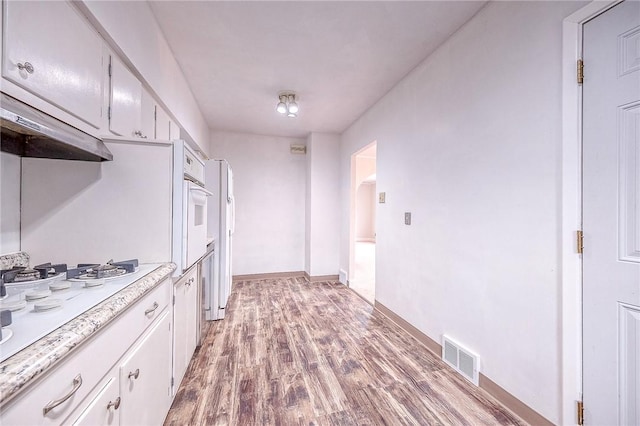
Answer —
339 57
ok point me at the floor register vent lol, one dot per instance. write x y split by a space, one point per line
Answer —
461 359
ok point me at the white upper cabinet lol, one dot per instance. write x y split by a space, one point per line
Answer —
148 115
162 124
125 101
174 130
51 51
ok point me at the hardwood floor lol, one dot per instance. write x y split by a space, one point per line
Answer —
291 353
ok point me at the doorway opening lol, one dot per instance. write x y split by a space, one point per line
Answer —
362 251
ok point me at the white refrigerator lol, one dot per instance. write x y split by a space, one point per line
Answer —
220 224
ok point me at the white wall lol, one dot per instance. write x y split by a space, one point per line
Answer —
9 203
269 185
322 204
82 212
366 212
470 143
131 25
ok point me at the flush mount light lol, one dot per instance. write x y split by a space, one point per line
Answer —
287 104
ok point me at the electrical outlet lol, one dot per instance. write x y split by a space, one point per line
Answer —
407 218
381 197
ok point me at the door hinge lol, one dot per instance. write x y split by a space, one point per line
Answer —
580 71
109 113
174 299
580 242
109 67
580 412
172 381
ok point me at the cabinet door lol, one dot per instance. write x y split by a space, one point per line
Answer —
162 124
63 52
104 409
145 376
126 100
174 130
147 115
185 313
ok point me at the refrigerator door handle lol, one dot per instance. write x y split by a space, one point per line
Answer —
233 216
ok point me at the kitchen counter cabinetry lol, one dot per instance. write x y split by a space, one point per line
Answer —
106 379
133 112
51 51
185 318
125 106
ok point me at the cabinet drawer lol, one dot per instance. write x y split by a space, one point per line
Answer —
90 364
104 408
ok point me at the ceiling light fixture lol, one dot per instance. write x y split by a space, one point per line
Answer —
287 104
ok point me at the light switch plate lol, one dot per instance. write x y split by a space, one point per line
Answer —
381 197
407 218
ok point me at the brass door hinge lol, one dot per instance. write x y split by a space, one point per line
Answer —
580 242
580 408
580 71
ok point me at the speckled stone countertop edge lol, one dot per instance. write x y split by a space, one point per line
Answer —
11 260
19 370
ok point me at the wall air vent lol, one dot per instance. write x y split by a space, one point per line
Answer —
461 359
298 149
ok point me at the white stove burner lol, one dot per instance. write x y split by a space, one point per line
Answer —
97 282
62 285
47 305
13 305
37 294
19 287
92 276
6 334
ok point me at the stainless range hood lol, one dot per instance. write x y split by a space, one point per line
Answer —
28 132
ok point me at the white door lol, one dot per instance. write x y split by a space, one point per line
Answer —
126 100
51 50
145 377
229 228
611 217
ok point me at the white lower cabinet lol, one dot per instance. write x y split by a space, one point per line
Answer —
185 317
145 377
104 409
93 386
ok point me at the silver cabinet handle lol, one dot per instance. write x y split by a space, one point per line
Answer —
77 382
134 374
115 405
26 67
153 309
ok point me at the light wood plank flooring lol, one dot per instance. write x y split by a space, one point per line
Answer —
292 353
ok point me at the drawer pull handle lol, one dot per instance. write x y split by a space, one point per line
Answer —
77 382
25 67
115 405
134 374
152 310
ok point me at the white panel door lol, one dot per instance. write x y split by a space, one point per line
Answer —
145 377
126 100
103 410
162 124
52 51
147 115
185 318
611 217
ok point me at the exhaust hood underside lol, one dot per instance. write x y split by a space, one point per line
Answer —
28 132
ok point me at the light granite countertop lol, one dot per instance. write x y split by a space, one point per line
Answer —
19 370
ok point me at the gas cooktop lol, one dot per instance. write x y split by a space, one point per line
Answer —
39 306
